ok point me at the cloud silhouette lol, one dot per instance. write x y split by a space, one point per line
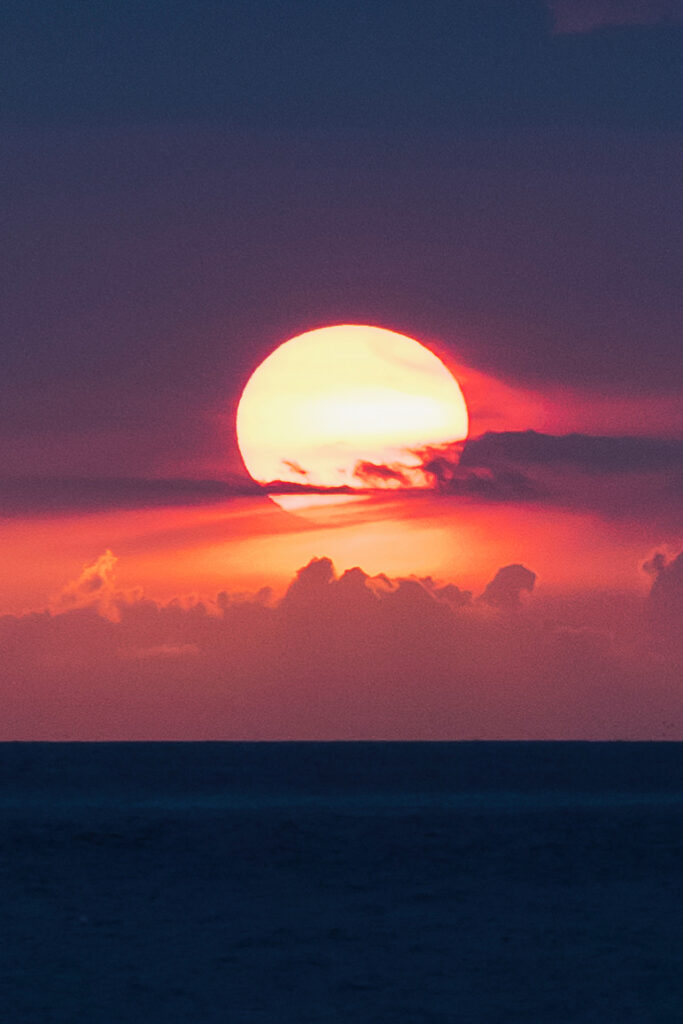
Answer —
317 586
505 589
484 483
618 477
311 579
655 565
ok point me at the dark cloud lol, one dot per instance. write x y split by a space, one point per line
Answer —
36 496
317 587
485 483
506 588
373 474
587 453
667 589
295 467
619 477
655 565
311 578
22 496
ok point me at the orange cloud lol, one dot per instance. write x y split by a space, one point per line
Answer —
94 588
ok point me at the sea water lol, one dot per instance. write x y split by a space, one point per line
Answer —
345 882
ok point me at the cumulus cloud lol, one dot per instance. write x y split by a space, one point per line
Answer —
311 578
506 587
341 656
317 585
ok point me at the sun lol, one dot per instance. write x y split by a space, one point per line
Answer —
348 405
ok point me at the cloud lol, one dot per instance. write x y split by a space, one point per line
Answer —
667 589
312 578
504 461
580 16
588 453
618 477
42 495
373 474
615 476
655 565
45 495
317 585
344 656
506 587
295 467
486 483
666 597
94 588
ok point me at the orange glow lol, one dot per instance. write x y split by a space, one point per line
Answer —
243 545
335 397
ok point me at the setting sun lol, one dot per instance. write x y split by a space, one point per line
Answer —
332 400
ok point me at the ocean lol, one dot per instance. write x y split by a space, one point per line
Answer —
341 882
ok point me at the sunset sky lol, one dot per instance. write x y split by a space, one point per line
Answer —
187 186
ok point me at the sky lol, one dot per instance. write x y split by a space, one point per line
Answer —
186 186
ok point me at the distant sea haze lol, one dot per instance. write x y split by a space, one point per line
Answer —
338 882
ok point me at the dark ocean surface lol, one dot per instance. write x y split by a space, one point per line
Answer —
350 882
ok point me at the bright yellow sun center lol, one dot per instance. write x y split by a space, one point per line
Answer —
329 400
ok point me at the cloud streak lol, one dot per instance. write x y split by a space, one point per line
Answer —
38 496
588 453
622 477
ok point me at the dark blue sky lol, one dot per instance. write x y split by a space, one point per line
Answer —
341 66
186 184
